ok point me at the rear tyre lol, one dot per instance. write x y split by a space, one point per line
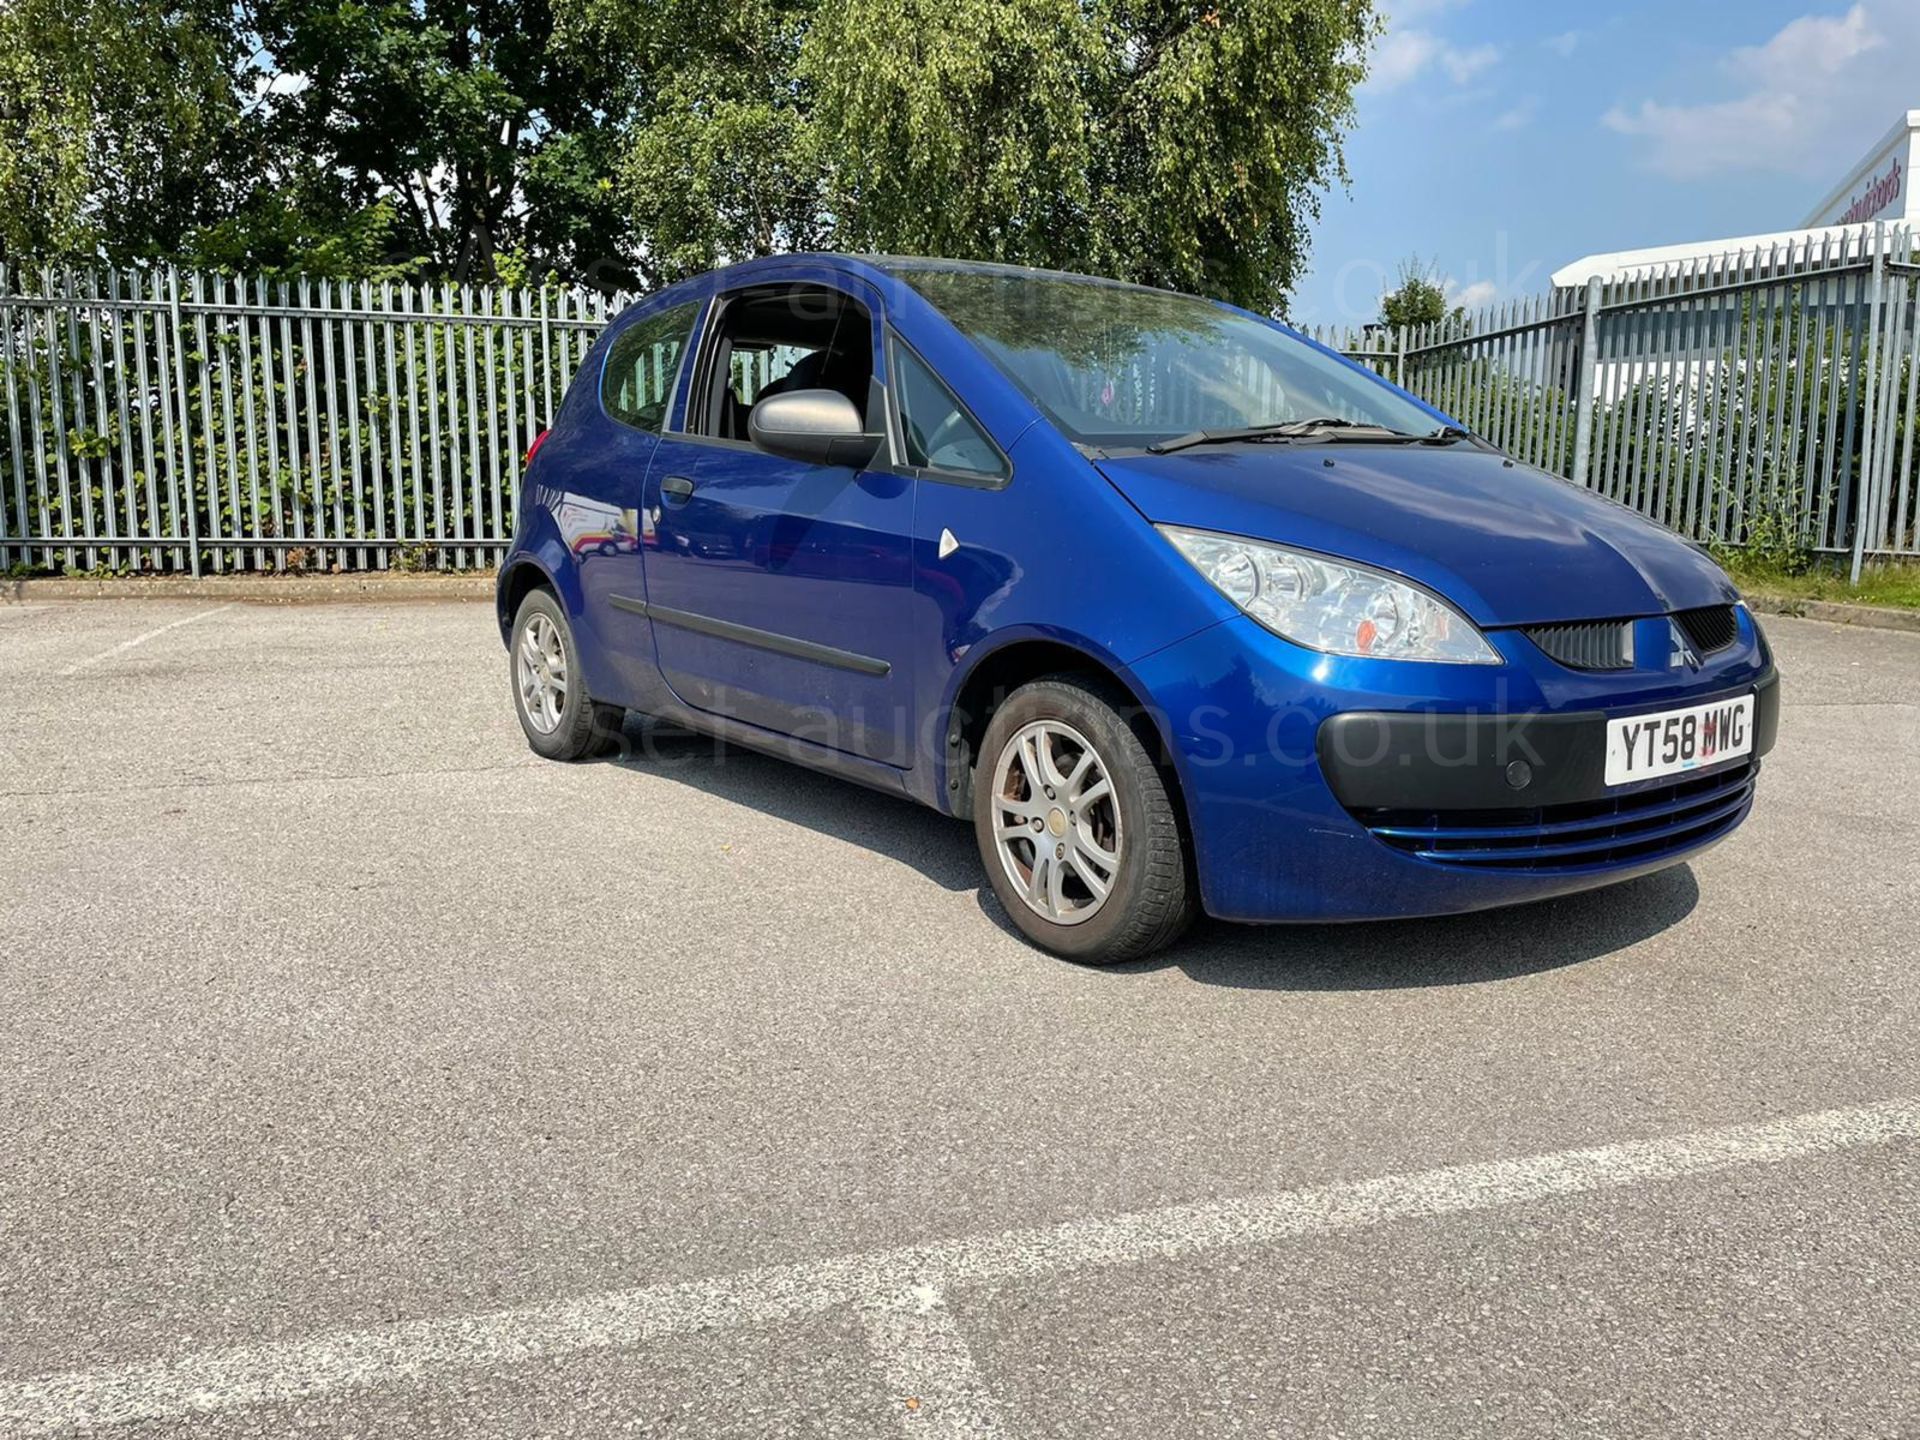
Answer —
561 720
1077 825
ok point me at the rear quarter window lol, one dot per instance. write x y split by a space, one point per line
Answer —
636 383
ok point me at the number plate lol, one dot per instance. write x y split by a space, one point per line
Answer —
1674 741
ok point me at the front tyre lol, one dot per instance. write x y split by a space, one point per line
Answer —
1077 826
561 720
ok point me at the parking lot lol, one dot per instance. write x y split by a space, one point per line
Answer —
367 1076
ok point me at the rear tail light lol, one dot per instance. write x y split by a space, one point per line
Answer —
534 449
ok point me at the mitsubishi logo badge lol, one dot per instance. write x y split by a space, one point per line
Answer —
1679 652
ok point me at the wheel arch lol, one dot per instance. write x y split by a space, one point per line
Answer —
522 576
986 682
540 557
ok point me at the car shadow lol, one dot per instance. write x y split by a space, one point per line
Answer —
934 845
1479 948
1473 949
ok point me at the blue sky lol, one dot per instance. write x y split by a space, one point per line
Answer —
1501 139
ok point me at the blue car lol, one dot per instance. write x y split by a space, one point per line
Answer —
1180 610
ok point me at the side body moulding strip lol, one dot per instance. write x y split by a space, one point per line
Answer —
748 635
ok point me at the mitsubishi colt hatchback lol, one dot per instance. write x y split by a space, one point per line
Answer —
1179 610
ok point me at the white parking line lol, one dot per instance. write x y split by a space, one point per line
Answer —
125 645
215 1380
929 1370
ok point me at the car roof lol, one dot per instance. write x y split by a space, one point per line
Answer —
879 267
898 263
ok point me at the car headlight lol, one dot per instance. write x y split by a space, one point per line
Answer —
1332 605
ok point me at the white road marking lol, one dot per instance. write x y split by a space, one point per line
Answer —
214 1380
126 645
929 1370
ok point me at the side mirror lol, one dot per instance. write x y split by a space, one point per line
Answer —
821 427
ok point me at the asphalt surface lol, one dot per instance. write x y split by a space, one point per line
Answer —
366 1076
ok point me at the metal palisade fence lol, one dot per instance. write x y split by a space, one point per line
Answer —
168 421
1762 392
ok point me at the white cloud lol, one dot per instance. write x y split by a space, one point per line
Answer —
1565 43
1814 43
1806 102
1415 9
1404 55
1463 65
1471 296
1691 141
1520 116
1401 55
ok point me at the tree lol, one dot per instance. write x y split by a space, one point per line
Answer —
1419 299
719 156
1179 142
476 133
960 127
1174 143
113 113
304 135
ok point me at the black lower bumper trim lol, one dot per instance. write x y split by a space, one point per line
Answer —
1415 760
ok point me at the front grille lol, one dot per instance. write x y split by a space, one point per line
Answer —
1711 628
1608 644
1587 644
1643 825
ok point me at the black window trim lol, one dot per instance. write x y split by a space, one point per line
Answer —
897 428
687 348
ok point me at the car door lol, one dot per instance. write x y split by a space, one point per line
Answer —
777 588
602 515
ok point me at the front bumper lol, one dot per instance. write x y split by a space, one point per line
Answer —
1323 788
1412 760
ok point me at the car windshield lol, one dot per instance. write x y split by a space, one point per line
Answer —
1123 367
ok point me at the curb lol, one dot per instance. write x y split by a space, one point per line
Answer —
1836 612
260 589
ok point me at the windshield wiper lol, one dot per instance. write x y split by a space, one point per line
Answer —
1280 430
1296 428
1332 427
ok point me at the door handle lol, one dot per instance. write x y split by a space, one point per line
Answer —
677 489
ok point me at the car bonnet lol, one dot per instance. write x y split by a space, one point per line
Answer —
1507 544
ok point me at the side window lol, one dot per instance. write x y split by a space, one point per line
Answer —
771 339
938 432
636 384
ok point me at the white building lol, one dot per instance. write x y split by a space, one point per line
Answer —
1880 187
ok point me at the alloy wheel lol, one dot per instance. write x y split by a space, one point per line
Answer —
1056 821
540 665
